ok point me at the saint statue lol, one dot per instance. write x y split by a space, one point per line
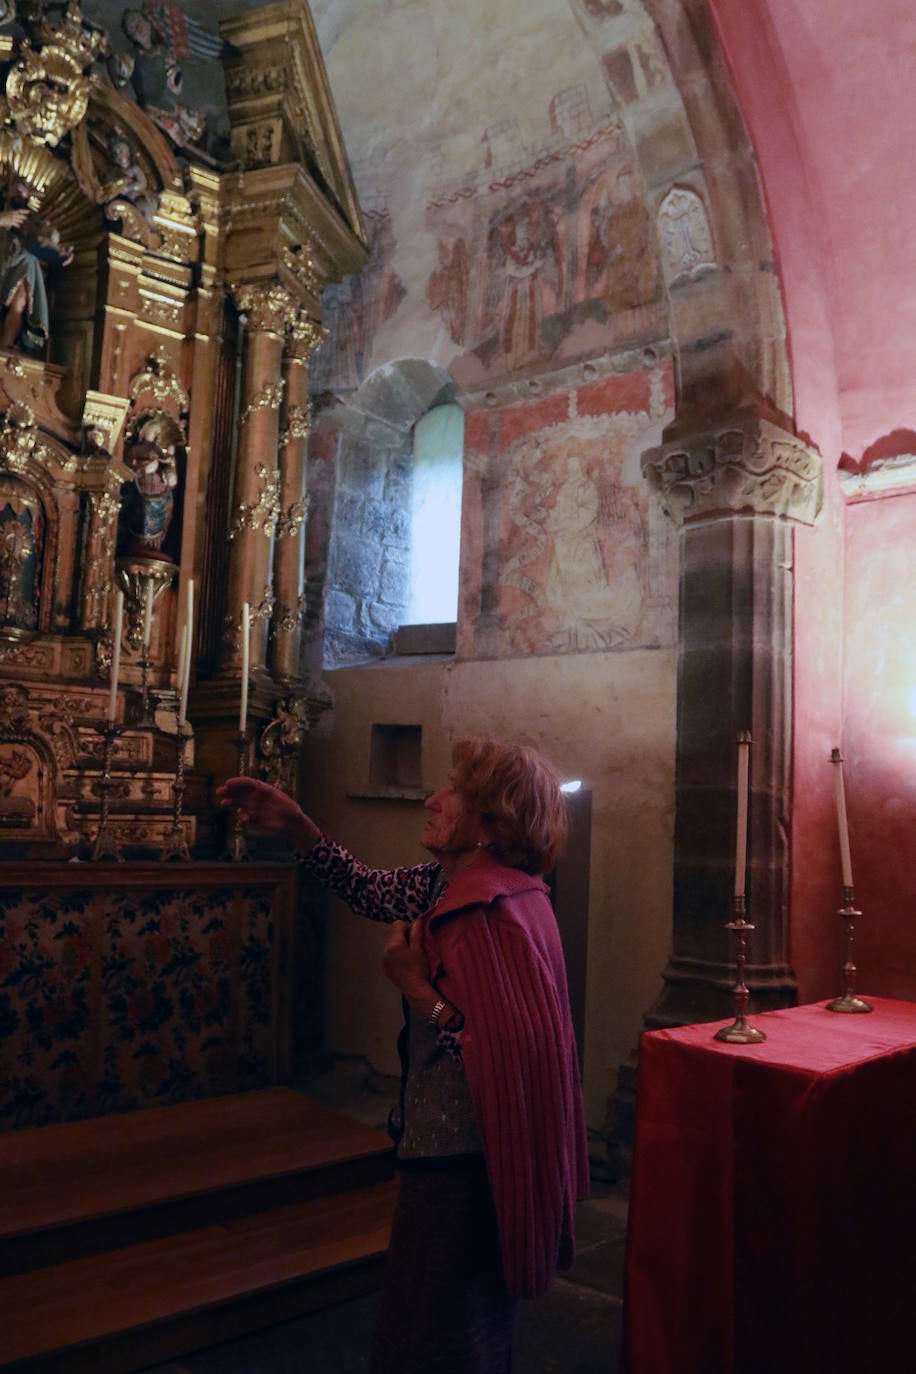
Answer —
150 506
32 247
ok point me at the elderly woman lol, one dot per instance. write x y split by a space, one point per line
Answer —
490 1135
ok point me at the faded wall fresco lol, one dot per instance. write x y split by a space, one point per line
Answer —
543 259
563 551
561 244
510 228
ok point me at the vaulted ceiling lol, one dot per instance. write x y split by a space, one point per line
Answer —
826 90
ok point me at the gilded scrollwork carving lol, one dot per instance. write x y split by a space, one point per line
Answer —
747 464
270 398
160 310
232 626
300 262
14 710
47 91
265 513
242 82
159 381
179 228
27 655
104 508
268 309
291 521
289 619
264 609
19 437
298 424
305 335
282 739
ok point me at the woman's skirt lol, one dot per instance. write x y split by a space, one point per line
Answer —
444 1306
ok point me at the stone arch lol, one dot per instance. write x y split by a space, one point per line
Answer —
671 84
359 527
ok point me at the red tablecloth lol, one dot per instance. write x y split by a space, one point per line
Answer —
773 1203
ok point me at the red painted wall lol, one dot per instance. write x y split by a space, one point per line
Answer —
833 159
880 738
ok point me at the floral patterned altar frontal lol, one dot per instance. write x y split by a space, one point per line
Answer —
139 987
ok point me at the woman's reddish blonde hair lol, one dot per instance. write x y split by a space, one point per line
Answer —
518 797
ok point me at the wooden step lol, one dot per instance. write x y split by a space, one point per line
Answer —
149 1302
77 1189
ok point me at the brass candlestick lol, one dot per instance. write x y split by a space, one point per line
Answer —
237 844
739 1032
176 844
146 716
849 1001
106 841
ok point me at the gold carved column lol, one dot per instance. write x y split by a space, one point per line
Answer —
289 568
256 506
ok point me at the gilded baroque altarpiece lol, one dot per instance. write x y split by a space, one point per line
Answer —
160 303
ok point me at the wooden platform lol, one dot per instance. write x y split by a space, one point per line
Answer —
128 1240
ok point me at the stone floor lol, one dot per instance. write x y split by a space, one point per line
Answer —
575 1329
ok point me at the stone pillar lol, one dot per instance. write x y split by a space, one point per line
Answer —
736 491
256 505
289 568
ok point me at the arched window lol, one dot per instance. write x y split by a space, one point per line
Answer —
435 516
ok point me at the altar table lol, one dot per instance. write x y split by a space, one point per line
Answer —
773 1205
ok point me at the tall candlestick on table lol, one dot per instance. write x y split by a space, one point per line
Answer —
116 631
849 1001
246 655
739 1032
836 759
744 748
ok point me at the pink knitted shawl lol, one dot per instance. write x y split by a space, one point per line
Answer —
494 951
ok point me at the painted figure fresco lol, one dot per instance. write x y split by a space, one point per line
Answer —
524 252
562 240
576 539
620 269
448 288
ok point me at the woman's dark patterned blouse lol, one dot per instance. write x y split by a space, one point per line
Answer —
383 894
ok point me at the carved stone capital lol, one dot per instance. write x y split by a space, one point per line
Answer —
746 464
269 308
157 380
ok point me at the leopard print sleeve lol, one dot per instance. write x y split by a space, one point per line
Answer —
451 1035
381 894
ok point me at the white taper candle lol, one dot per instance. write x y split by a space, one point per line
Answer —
116 631
246 654
148 615
744 749
836 759
184 665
